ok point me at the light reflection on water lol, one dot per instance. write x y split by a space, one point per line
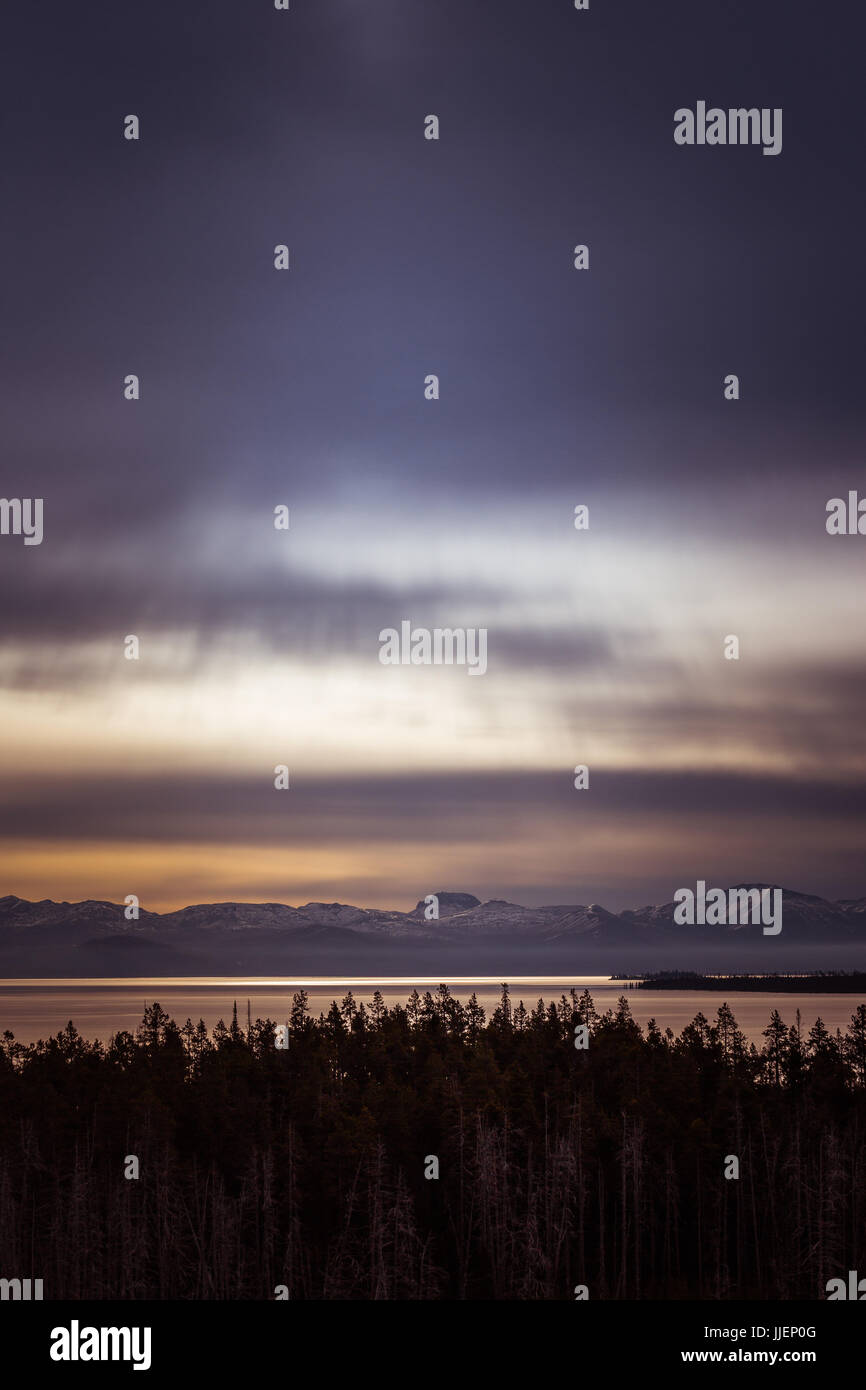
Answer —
33 1009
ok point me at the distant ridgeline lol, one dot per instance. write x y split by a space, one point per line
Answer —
824 982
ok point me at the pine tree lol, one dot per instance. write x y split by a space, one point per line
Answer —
855 1046
298 1018
776 1050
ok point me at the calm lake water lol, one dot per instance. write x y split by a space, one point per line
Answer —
33 1009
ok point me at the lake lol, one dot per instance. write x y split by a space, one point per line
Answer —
33 1009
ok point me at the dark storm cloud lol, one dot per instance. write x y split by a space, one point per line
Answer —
292 611
805 712
474 807
410 256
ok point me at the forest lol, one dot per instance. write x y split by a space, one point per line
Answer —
306 1171
823 982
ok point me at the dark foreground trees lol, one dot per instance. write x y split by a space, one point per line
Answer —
557 1167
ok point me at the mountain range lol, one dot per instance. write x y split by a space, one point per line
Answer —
50 939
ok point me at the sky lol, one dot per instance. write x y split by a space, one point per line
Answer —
305 388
